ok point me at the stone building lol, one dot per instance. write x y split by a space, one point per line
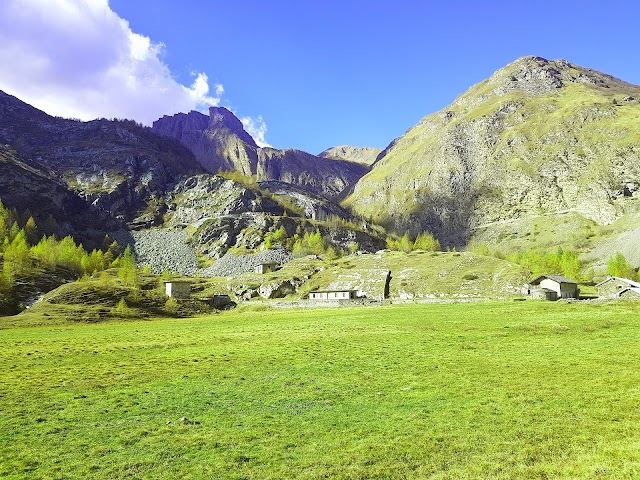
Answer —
562 287
612 286
631 293
177 289
266 267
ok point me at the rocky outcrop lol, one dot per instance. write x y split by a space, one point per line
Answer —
538 136
364 155
202 197
55 209
312 206
220 143
279 289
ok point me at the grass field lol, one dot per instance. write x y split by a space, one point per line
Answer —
491 390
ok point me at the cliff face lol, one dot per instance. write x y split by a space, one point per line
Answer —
55 208
219 142
118 166
537 137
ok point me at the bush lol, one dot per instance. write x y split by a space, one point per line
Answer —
121 309
172 306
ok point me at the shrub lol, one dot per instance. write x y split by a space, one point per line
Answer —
172 306
121 309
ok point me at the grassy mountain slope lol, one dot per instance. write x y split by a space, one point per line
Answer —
537 137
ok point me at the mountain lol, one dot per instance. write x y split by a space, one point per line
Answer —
54 207
118 166
364 155
220 143
537 138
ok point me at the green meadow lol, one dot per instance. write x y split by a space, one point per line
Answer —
487 390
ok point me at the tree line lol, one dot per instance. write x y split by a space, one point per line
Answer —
26 252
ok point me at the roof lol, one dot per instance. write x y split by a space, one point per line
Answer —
631 283
629 289
333 291
554 277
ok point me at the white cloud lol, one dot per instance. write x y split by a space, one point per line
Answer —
257 129
78 58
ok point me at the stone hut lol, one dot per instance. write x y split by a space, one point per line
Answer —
177 289
631 293
266 267
613 286
544 294
332 295
562 286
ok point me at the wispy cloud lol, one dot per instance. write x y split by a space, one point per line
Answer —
257 128
78 58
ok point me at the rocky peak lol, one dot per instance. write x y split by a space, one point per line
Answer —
220 123
533 75
223 144
539 136
177 125
221 118
538 76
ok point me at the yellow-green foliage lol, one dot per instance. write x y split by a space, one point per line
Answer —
424 241
619 267
172 306
275 238
27 254
236 176
127 270
121 309
313 244
565 262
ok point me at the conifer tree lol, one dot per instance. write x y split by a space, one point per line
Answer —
4 231
31 231
618 266
426 241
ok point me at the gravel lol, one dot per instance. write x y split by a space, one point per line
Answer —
166 250
161 250
234 265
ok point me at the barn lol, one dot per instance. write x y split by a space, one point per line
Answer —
562 287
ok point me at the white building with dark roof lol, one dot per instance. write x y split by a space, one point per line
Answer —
563 287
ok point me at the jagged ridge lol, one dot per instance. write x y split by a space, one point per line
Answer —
220 143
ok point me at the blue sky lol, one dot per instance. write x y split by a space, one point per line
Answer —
331 72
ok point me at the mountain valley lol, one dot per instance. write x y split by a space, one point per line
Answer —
543 155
